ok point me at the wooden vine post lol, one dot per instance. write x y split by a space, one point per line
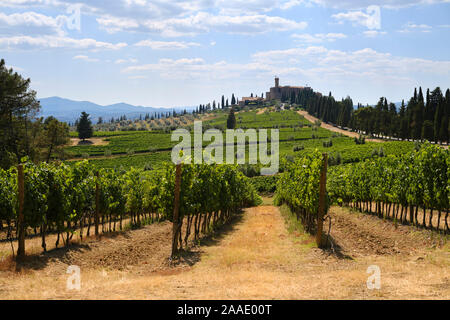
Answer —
97 203
322 205
21 219
176 208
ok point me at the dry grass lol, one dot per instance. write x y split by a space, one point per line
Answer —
256 259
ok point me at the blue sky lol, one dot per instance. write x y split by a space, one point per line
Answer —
183 53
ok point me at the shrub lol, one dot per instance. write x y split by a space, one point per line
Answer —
327 144
148 167
298 148
378 152
360 140
334 160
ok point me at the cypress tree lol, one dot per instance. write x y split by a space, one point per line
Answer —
84 127
231 121
427 130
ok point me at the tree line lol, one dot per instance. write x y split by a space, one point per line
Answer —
422 118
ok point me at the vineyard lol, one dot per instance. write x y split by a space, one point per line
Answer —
398 187
66 200
297 137
302 188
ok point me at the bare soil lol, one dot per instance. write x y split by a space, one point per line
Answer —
90 141
255 257
360 234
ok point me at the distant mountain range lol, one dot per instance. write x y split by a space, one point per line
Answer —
70 110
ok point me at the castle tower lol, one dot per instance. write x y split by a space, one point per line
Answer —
277 82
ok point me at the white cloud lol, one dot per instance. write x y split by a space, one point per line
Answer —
52 42
30 23
411 27
85 58
137 77
166 45
318 37
21 3
389 4
313 65
123 61
203 22
291 3
373 33
370 19
357 63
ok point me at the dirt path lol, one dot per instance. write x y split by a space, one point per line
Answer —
327 126
254 258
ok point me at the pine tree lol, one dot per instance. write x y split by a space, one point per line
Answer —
233 100
84 127
223 101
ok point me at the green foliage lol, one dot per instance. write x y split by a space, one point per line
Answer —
418 178
327 144
84 127
231 121
60 196
298 148
378 152
298 187
265 184
20 130
360 140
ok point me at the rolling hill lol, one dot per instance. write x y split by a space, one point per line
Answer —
69 110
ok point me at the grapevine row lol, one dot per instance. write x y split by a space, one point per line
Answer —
412 188
299 187
64 199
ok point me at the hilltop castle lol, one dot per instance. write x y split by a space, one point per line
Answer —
277 92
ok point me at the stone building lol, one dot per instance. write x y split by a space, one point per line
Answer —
277 92
250 100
